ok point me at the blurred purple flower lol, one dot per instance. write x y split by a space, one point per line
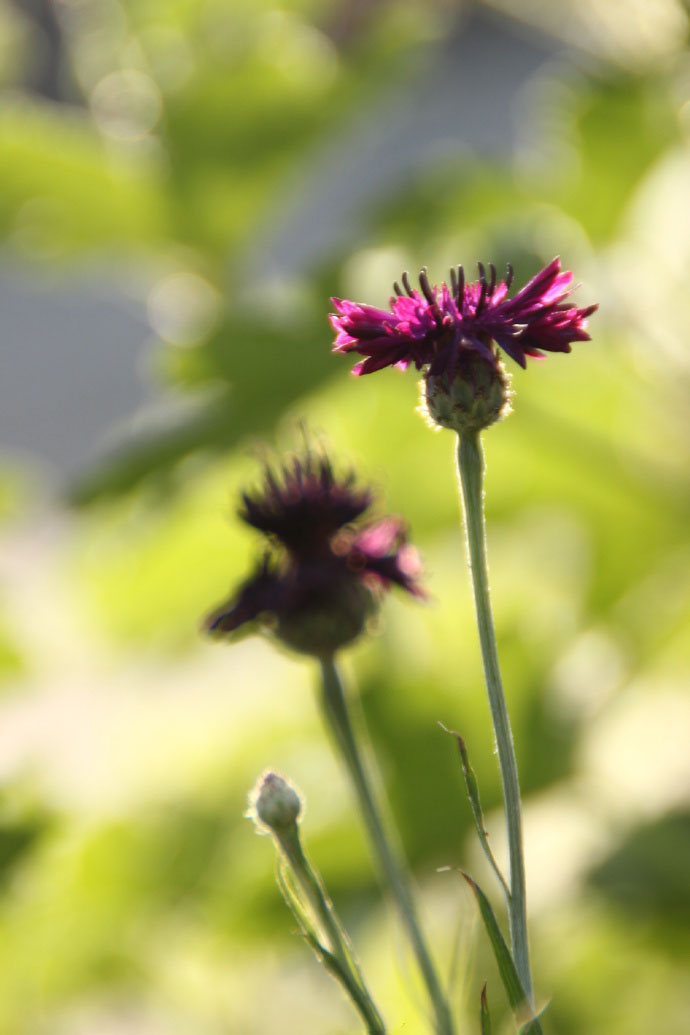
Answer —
304 508
434 326
321 575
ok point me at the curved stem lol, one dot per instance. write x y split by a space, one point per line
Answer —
471 470
341 960
338 719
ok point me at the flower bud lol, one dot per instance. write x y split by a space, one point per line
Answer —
275 803
475 397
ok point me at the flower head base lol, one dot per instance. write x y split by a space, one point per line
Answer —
321 577
477 396
436 326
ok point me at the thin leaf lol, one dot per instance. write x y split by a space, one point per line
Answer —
472 788
484 1013
347 977
293 901
308 931
331 962
506 967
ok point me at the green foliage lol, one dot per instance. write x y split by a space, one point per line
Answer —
19 837
646 875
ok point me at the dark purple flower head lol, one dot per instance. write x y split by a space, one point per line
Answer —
435 326
262 592
305 505
322 575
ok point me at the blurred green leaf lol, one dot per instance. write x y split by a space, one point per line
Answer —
18 838
647 874
622 125
62 196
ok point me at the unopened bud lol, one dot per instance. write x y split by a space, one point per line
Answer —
477 396
275 803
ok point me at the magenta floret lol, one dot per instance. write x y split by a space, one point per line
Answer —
431 327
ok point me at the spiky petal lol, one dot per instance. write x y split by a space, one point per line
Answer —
432 327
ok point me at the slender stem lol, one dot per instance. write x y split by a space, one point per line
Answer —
315 892
471 470
338 719
339 959
343 962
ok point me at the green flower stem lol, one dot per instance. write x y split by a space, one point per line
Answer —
346 967
471 470
338 720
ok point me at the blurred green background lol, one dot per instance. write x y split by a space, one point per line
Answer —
216 169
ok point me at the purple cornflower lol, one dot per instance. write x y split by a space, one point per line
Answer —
437 326
307 506
321 575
